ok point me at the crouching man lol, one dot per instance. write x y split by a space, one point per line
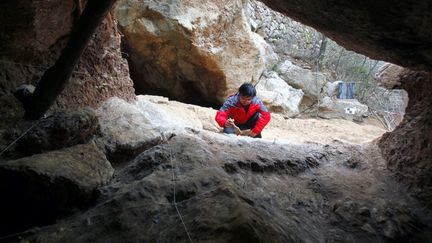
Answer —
243 111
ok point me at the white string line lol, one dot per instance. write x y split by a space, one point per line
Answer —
174 196
22 135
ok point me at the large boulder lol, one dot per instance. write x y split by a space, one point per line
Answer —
278 96
126 129
192 51
130 128
38 189
310 82
388 75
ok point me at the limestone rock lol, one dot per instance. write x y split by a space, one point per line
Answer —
43 187
310 82
126 130
198 52
278 96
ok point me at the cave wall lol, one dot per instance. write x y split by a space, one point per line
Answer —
32 35
398 32
394 31
408 149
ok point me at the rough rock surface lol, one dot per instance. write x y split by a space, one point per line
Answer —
408 148
388 76
60 130
125 130
289 38
312 83
33 33
396 32
194 51
278 95
247 190
40 188
381 99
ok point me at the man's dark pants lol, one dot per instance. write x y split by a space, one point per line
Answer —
248 125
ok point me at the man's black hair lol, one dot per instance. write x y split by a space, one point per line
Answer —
247 89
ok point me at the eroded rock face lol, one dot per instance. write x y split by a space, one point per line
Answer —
396 32
408 148
194 51
33 33
40 188
246 190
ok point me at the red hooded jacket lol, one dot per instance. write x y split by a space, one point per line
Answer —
232 108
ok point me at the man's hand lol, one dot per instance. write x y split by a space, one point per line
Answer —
229 122
252 134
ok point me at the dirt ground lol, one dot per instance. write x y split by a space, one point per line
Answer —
299 130
292 130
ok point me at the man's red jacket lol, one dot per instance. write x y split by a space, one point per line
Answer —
232 108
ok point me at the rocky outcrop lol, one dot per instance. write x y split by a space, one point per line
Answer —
208 187
279 96
125 130
408 148
311 83
388 76
130 128
40 188
34 33
382 30
197 52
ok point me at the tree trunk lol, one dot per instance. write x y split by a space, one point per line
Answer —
56 78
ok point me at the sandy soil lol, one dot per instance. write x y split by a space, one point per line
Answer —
320 130
295 130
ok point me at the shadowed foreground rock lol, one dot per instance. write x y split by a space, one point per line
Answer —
38 189
61 130
246 190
